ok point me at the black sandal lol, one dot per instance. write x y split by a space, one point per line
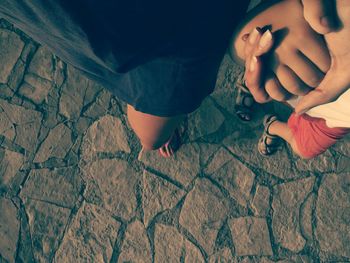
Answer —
266 147
243 109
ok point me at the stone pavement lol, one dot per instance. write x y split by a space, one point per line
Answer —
73 187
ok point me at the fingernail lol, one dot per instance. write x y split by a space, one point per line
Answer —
253 36
245 37
265 39
253 64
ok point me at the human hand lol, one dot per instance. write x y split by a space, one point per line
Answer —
321 15
298 60
337 79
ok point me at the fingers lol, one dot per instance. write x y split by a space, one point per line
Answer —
290 81
333 85
305 70
253 65
253 79
320 15
315 49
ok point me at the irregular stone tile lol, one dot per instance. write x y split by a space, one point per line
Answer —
171 246
100 106
90 237
10 163
7 128
287 199
233 176
323 163
107 134
343 164
43 64
204 212
20 125
117 182
250 236
221 157
158 195
136 246
77 91
206 120
47 223
60 186
261 203
223 256
9 230
183 167
333 215
343 146
245 146
306 216
56 144
34 88
11 47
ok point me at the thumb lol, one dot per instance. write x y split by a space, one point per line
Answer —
320 14
333 85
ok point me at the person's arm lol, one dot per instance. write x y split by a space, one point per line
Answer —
337 79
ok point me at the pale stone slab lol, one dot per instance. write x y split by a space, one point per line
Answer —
222 256
117 182
9 230
244 144
183 167
90 237
21 125
47 224
10 163
286 204
158 195
11 47
307 217
61 186
221 157
250 236
261 201
171 246
204 212
323 163
77 91
100 105
56 144
233 176
136 246
333 215
343 146
107 134
35 88
43 64
206 120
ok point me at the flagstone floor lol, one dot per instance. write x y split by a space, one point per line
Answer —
74 188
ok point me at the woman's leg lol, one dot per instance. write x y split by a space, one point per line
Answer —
153 131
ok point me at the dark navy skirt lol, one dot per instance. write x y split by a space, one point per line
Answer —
160 76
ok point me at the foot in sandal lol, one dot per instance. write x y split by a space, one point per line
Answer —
268 143
171 146
244 102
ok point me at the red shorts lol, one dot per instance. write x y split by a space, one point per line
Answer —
312 135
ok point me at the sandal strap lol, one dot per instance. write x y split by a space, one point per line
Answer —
268 120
